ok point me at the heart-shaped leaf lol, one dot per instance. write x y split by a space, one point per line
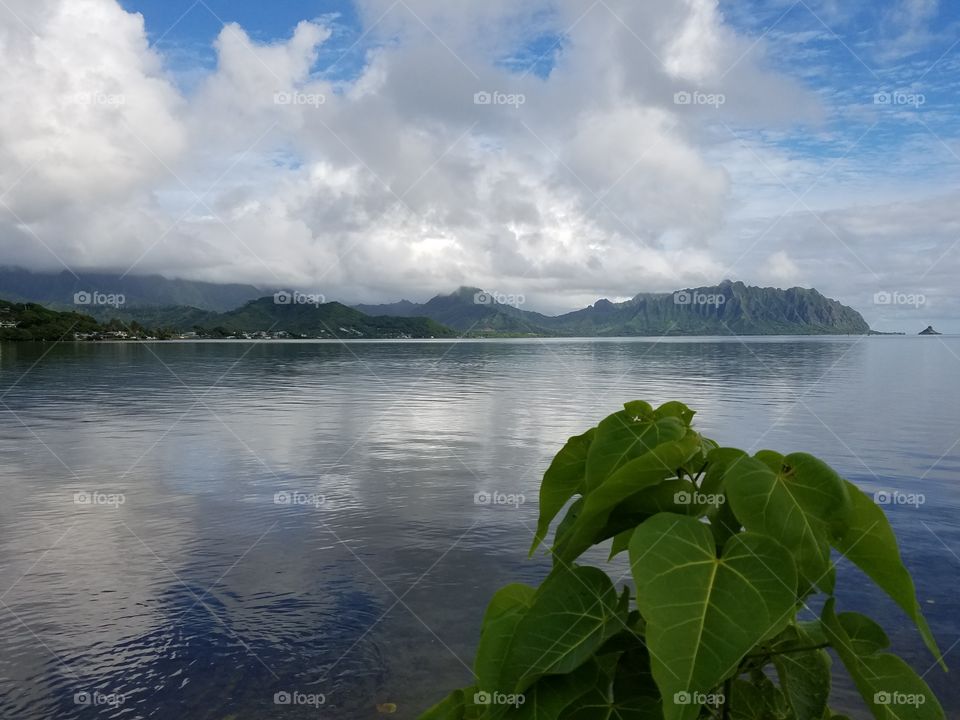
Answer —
705 613
868 541
890 687
550 696
642 472
564 478
794 503
598 704
757 700
625 435
506 609
804 676
574 612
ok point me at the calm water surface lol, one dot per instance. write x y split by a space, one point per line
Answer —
200 596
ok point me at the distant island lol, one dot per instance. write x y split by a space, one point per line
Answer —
929 331
730 308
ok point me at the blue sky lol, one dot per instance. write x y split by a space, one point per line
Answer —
848 55
339 147
185 30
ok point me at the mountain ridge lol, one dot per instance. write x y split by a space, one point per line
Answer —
729 308
732 307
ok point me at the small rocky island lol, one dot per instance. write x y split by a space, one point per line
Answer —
929 331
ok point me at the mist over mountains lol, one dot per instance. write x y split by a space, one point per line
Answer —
58 289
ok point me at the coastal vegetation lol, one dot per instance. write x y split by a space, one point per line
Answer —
733 611
257 319
29 321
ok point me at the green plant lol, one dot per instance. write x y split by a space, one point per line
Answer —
726 550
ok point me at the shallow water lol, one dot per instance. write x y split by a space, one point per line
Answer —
201 597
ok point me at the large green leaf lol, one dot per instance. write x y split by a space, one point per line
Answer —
757 700
547 698
564 478
890 687
672 409
574 612
625 435
705 613
506 609
795 504
642 472
723 521
666 496
868 541
718 464
804 676
634 675
599 704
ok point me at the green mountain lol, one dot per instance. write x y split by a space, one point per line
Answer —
469 310
58 290
176 317
331 319
724 309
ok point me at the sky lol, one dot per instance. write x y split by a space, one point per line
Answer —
562 150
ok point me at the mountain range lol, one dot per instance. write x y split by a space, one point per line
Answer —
724 309
180 306
57 290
